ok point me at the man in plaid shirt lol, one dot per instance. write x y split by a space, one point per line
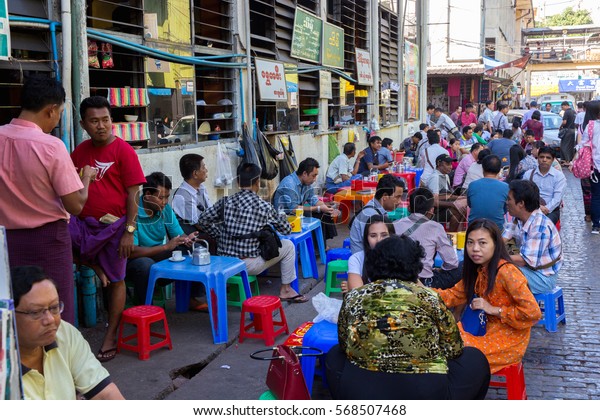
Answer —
244 213
540 253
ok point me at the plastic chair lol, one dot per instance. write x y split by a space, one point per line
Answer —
323 336
143 317
236 294
333 269
514 382
551 315
263 307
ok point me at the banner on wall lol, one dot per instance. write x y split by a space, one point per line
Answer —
270 77
4 31
325 85
364 68
306 37
411 63
412 102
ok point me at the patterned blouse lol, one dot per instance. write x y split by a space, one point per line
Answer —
398 326
507 336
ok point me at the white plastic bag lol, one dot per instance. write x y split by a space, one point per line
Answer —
224 176
327 308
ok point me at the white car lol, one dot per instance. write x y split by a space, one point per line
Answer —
551 123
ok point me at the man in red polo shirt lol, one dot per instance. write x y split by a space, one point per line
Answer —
102 234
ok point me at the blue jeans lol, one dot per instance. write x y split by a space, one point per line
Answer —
537 282
332 187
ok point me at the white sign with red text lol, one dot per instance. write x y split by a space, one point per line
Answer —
364 68
270 77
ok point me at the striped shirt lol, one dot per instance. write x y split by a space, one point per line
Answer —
540 243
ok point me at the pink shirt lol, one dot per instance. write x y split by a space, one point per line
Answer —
462 168
35 171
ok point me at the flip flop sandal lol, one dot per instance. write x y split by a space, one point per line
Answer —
106 355
295 299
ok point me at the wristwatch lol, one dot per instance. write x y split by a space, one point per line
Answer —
130 228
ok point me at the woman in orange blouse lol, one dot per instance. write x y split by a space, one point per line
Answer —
510 307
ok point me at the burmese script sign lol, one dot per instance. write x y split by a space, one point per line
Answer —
364 72
270 77
333 46
306 38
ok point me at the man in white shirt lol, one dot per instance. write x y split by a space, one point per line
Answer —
500 120
341 171
486 117
430 154
450 208
445 123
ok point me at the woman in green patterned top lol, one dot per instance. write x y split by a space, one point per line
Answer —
398 337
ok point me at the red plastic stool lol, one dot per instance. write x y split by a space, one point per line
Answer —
514 382
142 317
263 307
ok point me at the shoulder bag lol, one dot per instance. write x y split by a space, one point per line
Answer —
474 321
583 164
284 377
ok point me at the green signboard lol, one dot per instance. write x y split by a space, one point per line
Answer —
306 39
333 46
4 31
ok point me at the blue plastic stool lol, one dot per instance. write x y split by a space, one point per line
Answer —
323 336
338 254
550 315
346 243
437 261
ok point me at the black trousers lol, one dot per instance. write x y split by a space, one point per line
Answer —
444 279
327 224
554 215
468 378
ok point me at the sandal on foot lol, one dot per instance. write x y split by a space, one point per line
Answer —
106 355
295 299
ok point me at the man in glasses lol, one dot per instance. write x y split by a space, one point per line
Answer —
56 361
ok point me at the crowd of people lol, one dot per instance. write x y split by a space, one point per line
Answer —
100 210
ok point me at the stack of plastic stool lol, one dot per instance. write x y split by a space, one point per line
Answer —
263 307
331 280
236 294
323 336
142 317
551 316
514 382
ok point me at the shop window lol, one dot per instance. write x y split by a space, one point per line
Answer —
125 17
215 103
212 23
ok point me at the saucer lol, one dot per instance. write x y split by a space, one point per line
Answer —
174 260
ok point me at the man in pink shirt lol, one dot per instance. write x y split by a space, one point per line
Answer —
464 165
468 117
40 187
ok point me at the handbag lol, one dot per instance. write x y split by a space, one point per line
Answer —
583 164
474 321
284 377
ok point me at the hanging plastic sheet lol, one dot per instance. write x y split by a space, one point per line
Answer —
224 176
267 155
334 151
249 147
289 163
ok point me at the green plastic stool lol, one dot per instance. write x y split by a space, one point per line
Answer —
333 269
237 295
267 395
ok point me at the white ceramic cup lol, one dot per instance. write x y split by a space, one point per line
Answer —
177 255
510 230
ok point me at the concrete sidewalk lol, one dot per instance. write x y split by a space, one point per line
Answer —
561 365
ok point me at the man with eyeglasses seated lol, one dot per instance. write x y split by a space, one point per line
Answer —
56 361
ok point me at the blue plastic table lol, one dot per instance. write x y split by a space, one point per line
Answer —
304 243
214 277
437 262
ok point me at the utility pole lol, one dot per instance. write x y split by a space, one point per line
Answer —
81 79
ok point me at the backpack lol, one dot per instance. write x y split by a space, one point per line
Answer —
583 164
361 210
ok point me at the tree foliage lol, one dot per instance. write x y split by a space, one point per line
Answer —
568 17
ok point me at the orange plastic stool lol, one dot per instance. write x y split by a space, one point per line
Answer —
514 382
263 307
142 317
